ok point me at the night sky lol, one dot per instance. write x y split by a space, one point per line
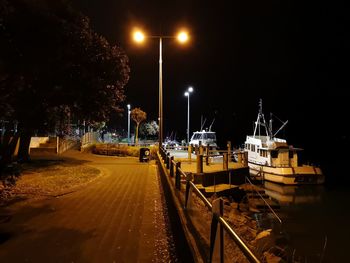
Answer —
292 54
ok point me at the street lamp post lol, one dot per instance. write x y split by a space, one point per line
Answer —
129 107
187 94
139 37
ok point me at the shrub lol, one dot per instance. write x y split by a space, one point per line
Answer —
121 150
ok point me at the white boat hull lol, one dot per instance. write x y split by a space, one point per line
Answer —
288 175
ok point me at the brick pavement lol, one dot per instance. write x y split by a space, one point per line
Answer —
120 217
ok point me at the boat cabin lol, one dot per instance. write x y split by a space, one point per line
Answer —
275 153
204 137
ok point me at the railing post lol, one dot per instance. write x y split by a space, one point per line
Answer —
199 163
207 155
225 162
164 154
178 176
188 186
167 158
217 233
229 150
171 166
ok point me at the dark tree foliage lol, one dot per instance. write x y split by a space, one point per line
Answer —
54 66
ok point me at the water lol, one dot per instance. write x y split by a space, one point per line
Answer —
315 220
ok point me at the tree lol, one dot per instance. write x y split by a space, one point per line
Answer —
138 116
149 129
53 66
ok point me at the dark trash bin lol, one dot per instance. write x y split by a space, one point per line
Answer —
144 154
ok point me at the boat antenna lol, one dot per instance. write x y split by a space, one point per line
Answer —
211 124
270 124
202 123
284 124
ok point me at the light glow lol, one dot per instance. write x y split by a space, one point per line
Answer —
138 36
182 37
186 94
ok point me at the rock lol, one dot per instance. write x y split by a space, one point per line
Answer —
271 258
263 234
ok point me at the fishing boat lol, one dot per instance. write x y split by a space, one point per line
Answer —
272 159
205 137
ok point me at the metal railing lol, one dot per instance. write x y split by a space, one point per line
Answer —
216 209
266 203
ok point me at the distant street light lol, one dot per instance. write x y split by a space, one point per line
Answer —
187 94
139 37
129 107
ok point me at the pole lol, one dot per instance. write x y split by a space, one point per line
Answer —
129 126
188 119
160 94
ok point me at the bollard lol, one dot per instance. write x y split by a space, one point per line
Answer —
199 163
189 151
239 157
177 176
201 149
171 165
245 159
229 150
225 161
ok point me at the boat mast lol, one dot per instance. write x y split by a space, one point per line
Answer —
258 122
211 124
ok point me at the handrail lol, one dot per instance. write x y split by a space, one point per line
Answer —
239 242
201 196
278 218
244 248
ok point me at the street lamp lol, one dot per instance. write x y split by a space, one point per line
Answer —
139 37
187 94
129 107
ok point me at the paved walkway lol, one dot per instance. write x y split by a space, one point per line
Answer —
119 217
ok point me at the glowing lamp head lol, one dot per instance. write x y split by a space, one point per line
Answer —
182 37
138 36
190 89
128 106
187 94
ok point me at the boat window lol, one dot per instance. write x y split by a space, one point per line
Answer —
211 136
196 136
274 154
